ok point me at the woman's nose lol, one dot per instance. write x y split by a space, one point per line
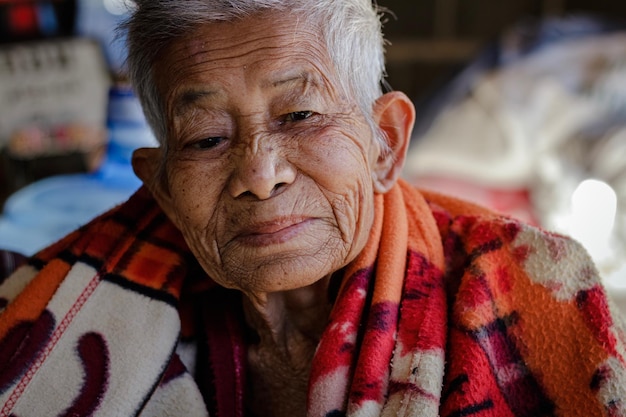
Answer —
261 172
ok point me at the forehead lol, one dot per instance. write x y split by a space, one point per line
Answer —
263 46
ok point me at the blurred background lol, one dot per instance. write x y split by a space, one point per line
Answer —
521 107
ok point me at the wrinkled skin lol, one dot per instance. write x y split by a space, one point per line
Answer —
270 174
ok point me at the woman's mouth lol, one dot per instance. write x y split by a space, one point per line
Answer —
273 232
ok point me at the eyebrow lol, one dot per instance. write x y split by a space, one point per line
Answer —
188 97
191 96
303 78
293 86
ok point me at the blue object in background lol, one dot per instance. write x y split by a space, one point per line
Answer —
45 211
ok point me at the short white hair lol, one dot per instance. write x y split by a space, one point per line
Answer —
352 30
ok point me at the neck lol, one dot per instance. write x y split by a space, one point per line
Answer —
287 319
289 325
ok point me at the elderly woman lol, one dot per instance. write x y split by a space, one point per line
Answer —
275 265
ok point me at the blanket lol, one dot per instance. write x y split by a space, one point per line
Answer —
450 310
9 261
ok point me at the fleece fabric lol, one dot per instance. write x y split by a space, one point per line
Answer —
450 310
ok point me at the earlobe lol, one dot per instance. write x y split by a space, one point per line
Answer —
147 164
394 114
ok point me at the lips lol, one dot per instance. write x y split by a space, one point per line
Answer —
272 232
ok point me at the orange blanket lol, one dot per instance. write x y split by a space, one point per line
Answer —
450 310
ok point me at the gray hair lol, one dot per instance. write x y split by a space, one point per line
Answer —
352 30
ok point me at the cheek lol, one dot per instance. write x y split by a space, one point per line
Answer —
195 201
341 169
338 159
194 193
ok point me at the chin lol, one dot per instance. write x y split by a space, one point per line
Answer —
276 278
270 270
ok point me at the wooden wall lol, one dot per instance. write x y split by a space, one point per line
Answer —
430 38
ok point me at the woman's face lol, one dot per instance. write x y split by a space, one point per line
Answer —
269 167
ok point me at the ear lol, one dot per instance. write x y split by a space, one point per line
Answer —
148 166
394 114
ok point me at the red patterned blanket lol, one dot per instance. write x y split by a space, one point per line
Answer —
450 310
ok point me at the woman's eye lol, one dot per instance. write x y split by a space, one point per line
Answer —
208 143
298 115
